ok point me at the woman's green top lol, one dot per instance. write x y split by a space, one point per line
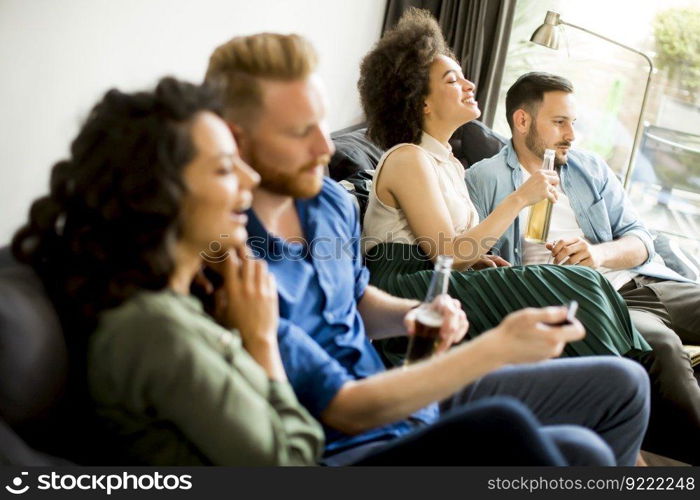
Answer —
176 388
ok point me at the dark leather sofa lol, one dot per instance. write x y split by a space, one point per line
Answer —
38 423
33 367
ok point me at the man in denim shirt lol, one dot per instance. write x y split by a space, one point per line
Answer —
594 224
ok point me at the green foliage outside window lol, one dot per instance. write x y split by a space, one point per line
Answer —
677 34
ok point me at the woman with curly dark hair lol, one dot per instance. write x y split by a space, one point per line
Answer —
415 97
153 190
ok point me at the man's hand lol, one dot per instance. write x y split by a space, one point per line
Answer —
530 335
487 261
578 252
454 321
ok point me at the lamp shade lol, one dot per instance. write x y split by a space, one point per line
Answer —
548 33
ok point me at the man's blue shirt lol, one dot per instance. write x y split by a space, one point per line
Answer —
321 335
598 200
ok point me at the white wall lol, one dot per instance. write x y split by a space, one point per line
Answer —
58 57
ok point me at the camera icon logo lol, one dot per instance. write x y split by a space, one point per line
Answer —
17 483
215 257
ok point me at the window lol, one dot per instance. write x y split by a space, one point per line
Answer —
609 84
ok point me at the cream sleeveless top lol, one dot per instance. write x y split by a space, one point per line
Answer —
385 224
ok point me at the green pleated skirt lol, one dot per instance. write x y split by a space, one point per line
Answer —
487 296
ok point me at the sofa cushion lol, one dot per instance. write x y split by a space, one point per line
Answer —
474 141
6 258
354 152
33 357
359 185
675 257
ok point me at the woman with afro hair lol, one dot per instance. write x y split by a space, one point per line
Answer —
415 97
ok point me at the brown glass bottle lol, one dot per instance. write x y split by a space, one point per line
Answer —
423 342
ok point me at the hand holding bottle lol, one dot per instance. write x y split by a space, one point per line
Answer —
439 321
541 212
541 185
445 316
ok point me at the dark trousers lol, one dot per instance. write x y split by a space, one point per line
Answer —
574 411
603 394
667 314
495 431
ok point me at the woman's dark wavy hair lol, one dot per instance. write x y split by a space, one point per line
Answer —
394 78
107 226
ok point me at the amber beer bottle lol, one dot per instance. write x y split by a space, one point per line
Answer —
422 343
541 212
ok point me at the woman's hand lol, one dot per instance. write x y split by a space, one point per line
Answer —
487 261
251 292
248 302
542 184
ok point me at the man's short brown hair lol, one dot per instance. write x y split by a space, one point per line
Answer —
528 92
238 65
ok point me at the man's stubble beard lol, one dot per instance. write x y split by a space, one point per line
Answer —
287 183
534 143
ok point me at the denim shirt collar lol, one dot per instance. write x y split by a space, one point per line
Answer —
321 239
511 156
276 250
262 242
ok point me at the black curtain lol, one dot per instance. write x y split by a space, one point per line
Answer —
478 32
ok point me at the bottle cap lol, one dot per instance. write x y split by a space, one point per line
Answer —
443 262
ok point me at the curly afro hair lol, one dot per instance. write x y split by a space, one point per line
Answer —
394 78
107 225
